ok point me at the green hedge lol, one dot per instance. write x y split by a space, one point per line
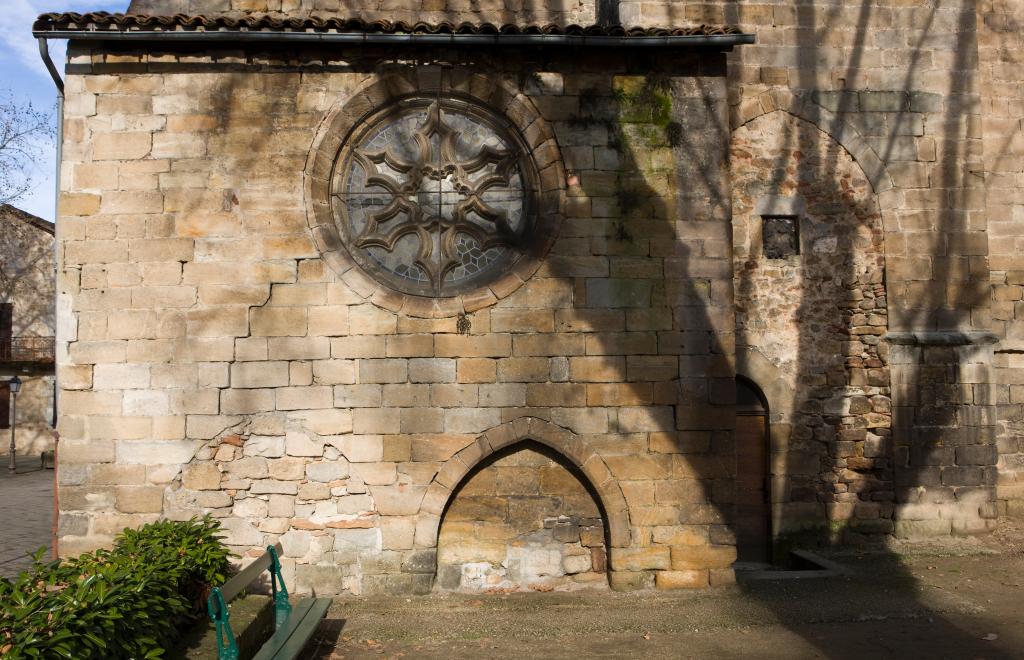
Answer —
128 602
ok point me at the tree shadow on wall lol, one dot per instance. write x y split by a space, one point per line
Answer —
841 474
658 218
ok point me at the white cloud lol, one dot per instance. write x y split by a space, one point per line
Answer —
21 66
16 40
16 35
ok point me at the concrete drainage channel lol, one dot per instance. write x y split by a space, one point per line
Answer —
801 564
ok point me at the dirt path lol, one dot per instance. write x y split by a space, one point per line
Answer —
927 604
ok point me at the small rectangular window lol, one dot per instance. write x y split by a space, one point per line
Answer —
780 236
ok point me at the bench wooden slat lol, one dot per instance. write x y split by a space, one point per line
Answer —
292 633
247 575
304 630
281 637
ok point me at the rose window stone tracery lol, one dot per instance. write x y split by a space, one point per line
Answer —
434 197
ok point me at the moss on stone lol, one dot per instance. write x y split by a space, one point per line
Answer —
643 100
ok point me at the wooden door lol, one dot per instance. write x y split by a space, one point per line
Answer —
5 405
752 500
6 327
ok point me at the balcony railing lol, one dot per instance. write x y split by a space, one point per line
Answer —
26 349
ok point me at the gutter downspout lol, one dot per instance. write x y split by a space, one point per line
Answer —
44 52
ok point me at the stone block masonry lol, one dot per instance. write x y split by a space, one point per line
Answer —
221 351
832 459
999 37
522 521
904 105
291 396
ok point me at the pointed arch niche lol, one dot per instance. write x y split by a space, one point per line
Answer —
527 506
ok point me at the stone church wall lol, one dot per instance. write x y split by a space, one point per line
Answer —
819 317
897 86
222 357
1000 43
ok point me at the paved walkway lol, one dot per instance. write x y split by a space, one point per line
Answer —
26 510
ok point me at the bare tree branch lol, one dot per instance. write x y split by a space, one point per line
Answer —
25 136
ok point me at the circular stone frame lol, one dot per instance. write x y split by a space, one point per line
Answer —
498 126
501 100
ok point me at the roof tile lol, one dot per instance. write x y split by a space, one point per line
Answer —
277 22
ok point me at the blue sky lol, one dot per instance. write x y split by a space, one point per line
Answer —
22 74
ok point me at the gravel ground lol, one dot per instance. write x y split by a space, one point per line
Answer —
955 600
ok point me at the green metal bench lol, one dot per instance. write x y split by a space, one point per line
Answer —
293 626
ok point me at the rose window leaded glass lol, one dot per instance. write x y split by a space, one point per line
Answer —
433 197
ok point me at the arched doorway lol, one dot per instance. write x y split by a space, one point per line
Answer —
524 518
753 499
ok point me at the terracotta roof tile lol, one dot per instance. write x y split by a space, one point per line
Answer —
276 22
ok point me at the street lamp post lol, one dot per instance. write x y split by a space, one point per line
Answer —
15 385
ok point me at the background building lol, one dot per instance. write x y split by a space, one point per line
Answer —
27 280
493 300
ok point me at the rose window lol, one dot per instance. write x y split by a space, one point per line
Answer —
434 197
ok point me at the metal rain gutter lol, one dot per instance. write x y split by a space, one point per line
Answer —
350 38
44 52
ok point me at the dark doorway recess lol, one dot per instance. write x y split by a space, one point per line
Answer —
753 499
